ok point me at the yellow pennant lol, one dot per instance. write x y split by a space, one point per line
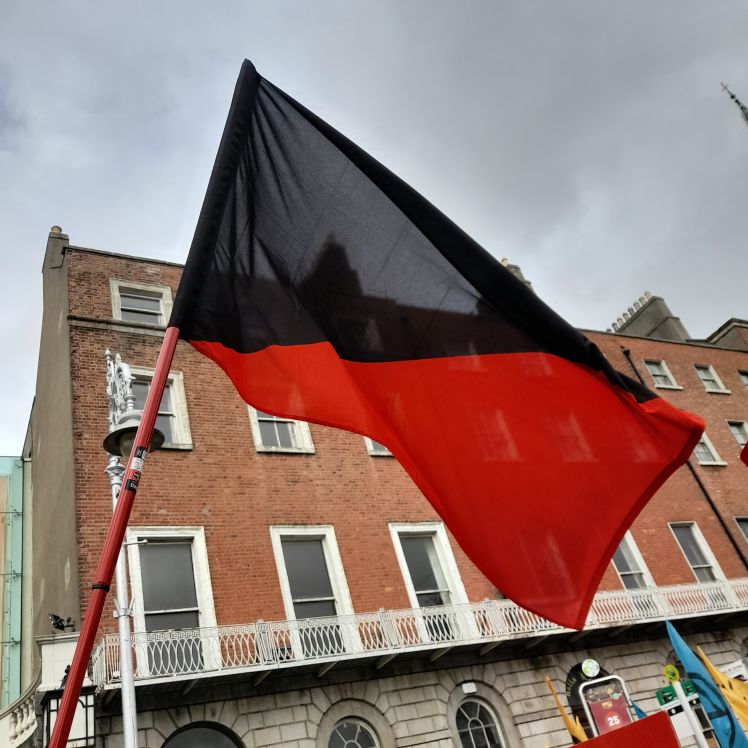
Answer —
574 727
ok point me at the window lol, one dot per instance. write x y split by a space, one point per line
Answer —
430 573
739 430
313 586
743 377
426 574
661 375
352 733
743 525
349 723
630 565
139 302
375 449
709 378
477 726
569 437
705 452
308 577
171 582
172 417
276 434
696 551
169 593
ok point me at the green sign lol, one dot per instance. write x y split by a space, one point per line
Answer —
667 694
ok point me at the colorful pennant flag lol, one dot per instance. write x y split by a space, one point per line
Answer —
733 689
573 725
727 729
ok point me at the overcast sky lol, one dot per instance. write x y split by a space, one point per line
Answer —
589 142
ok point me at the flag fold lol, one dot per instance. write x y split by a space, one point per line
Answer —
330 291
734 690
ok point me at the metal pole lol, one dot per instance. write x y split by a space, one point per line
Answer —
113 543
698 733
115 471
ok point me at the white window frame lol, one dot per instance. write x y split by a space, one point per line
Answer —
739 424
446 559
721 389
636 553
338 582
666 369
717 459
376 452
162 293
175 381
335 570
443 553
200 570
468 696
703 547
303 434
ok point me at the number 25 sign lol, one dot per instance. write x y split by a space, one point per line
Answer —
607 704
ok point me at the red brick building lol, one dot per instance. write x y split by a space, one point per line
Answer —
296 589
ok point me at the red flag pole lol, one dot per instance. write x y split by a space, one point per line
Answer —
113 543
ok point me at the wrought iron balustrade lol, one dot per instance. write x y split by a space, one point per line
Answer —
263 645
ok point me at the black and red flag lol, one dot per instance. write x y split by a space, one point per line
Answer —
332 292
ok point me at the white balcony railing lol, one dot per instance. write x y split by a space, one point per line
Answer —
18 721
190 653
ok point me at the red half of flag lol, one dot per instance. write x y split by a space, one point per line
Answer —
651 732
330 291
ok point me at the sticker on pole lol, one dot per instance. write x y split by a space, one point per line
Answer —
671 673
138 459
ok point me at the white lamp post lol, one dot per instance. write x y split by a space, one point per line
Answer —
123 423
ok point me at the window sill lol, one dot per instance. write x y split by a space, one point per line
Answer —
137 323
668 387
285 451
381 454
715 463
719 392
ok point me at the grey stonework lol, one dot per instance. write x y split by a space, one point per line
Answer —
418 708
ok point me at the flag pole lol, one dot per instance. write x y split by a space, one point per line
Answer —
113 542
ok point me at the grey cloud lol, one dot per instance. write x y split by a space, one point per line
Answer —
587 141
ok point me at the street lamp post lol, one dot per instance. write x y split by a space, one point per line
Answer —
123 423
115 470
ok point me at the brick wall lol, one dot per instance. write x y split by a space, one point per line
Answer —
224 484
236 493
681 499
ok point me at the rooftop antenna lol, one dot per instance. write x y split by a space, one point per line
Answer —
743 108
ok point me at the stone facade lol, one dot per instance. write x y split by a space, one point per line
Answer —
418 708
